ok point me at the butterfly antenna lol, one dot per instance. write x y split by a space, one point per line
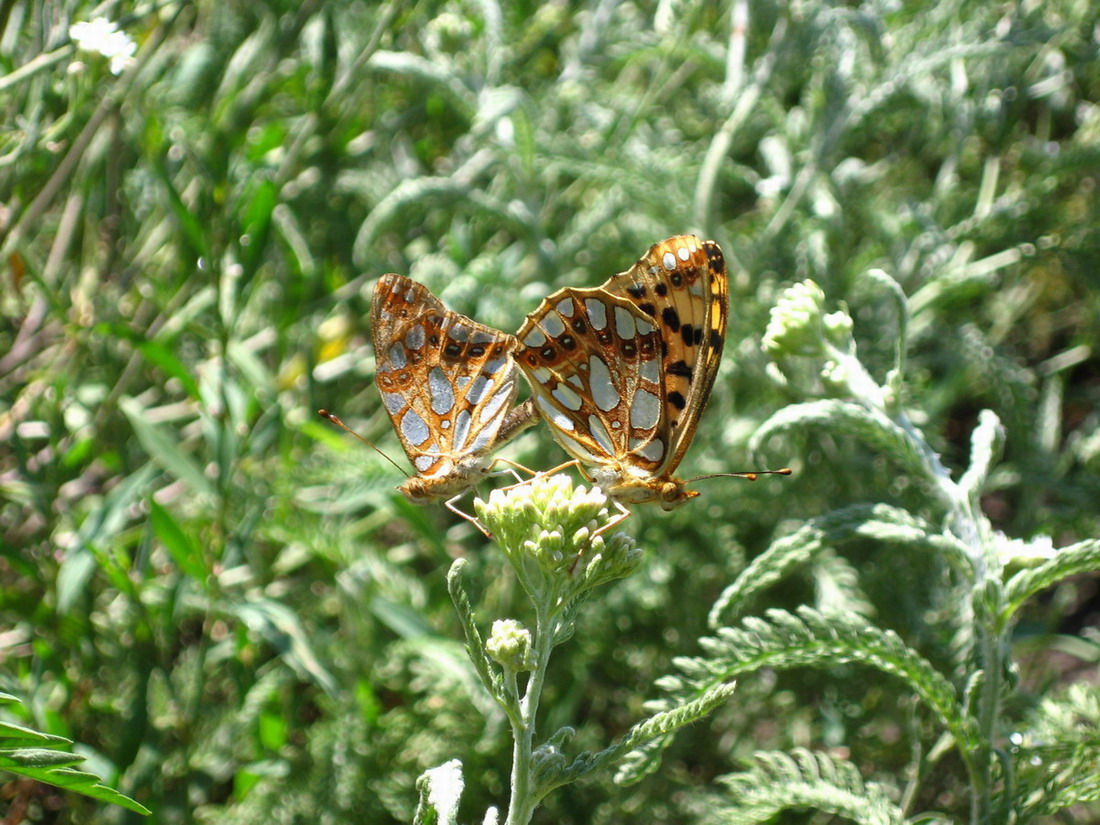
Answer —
748 475
335 420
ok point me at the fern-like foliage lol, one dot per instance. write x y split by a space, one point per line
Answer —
1083 557
640 749
847 418
1057 762
875 521
803 779
814 639
475 645
836 582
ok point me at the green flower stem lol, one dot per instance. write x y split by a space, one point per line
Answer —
967 524
525 797
550 534
800 327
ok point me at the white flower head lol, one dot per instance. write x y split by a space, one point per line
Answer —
103 37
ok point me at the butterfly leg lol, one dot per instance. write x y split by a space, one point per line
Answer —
620 516
450 505
513 466
544 474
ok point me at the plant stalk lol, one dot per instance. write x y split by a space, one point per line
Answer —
524 795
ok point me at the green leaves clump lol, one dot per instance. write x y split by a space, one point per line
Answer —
43 757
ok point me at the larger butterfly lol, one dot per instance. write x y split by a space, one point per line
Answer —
449 385
622 372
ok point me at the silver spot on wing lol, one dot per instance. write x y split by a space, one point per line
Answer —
597 312
654 450
393 402
443 396
395 357
414 338
413 428
624 324
645 409
603 391
462 430
600 433
553 324
553 414
566 397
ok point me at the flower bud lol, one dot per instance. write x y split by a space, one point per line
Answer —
509 645
796 326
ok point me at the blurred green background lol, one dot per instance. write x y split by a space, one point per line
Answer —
224 600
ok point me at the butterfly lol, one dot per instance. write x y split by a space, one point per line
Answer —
449 385
621 372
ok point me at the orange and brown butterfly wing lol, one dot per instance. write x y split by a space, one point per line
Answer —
682 284
593 360
447 382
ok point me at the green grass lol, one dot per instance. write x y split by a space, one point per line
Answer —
224 601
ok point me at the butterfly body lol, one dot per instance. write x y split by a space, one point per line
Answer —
621 372
449 385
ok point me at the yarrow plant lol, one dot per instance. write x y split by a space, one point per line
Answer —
554 537
1016 767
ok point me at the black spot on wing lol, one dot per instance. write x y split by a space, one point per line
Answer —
680 368
677 400
671 318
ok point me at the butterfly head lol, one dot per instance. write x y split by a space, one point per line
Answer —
419 490
449 479
637 488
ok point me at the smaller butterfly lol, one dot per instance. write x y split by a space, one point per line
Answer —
622 372
449 386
